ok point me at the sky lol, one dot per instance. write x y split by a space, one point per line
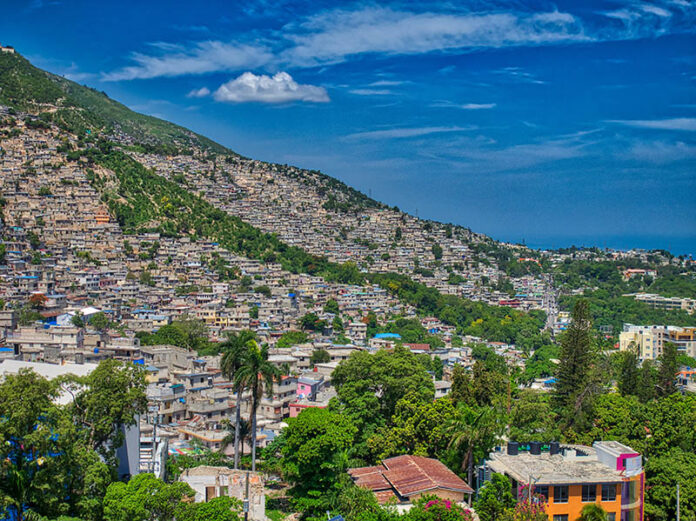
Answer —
545 123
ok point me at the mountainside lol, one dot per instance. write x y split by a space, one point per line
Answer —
78 108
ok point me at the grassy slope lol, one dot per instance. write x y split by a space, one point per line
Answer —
27 88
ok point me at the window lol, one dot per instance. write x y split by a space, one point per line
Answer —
589 493
560 494
560 517
609 492
611 516
542 490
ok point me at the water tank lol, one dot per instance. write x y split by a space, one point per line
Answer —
512 448
555 447
535 448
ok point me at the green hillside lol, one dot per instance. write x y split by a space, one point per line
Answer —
27 88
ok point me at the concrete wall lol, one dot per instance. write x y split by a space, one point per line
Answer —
210 482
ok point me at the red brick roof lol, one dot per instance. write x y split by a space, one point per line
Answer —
406 476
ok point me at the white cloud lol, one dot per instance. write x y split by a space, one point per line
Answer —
386 83
463 106
405 132
687 124
280 88
204 57
337 35
199 93
333 36
660 152
477 106
370 92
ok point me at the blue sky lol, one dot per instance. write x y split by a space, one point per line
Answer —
553 123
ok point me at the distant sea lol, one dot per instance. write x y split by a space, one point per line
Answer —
675 245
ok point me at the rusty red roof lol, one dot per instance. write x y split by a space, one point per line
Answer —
408 475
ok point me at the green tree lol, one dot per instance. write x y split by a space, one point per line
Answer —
319 356
257 375
222 508
417 427
573 382
78 320
663 472
494 498
629 373
668 369
27 473
234 350
592 512
146 498
108 399
100 321
462 386
437 251
311 322
647 381
292 338
146 278
331 306
316 442
532 419
369 386
473 432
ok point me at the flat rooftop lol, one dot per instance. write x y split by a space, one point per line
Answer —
557 469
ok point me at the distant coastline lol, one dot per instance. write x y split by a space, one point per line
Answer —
675 245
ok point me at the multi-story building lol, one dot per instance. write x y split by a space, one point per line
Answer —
668 303
568 477
648 341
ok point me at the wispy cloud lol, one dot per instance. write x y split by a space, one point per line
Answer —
400 133
685 124
464 106
201 58
280 88
334 36
338 35
199 93
370 92
518 75
660 152
386 83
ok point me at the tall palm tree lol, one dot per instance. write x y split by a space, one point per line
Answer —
257 375
235 349
472 431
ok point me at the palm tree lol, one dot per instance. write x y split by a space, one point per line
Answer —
593 512
471 431
256 374
239 431
235 349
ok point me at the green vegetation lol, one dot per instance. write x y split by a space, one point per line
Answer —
615 311
471 318
60 459
25 87
146 498
292 338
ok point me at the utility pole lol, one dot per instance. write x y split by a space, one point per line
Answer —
678 516
246 498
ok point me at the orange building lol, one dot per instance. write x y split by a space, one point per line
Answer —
572 476
102 216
